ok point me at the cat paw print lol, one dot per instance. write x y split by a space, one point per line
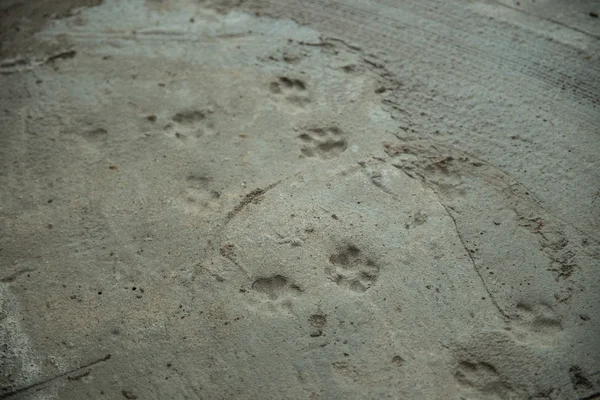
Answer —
275 294
535 323
191 124
483 378
292 90
276 287
325 143
199 195
351 269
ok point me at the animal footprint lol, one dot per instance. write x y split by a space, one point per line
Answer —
536 322
96 135
191 124
276 287
198 195
350 269
324 143
483 377
579 380
293 90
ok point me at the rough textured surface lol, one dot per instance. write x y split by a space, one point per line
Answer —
299 200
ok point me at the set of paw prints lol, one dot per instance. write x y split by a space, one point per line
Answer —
348 267
324 142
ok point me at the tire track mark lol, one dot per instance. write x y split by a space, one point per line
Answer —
453 59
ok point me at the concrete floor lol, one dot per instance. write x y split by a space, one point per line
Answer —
299 200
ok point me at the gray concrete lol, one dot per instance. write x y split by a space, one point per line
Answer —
299 200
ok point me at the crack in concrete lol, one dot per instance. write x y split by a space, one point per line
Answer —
494 302
373 178
446 208
46 381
